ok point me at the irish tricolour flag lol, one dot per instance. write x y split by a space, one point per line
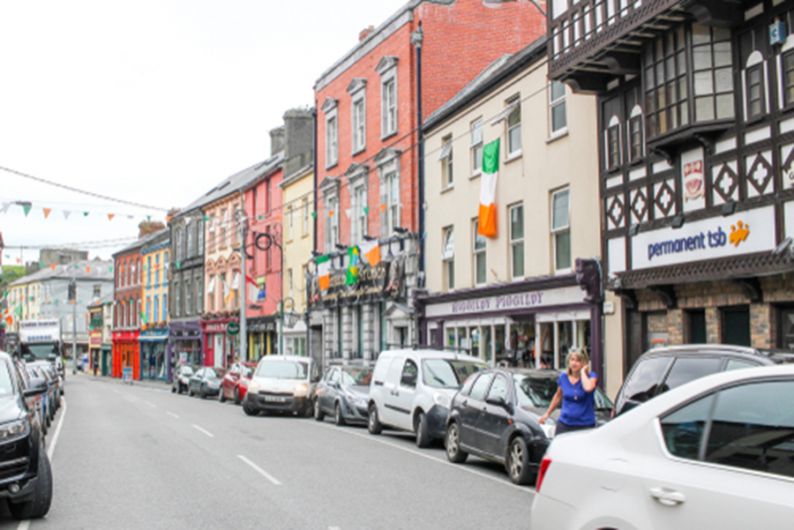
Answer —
486 225
324 272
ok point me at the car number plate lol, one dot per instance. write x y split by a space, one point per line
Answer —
276 399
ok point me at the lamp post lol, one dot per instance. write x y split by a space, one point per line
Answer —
243 340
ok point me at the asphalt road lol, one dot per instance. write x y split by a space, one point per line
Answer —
141 457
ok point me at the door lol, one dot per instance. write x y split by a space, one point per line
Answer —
220 353
391 388
493 421
473 406
736 325
329 391
402 398
696 324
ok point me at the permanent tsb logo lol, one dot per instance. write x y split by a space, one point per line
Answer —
706 239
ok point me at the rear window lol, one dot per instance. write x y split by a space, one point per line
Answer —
686 369
644 380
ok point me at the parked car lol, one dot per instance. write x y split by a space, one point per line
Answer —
30 378
495 416
662 369
181 379
344 393
282 383
205 382
714 453
54 379
42 405
235 382
25 474
412 390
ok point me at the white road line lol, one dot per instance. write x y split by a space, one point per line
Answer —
57 433
151 404
461 467
334 528
175 416
261 471
204 431
24 525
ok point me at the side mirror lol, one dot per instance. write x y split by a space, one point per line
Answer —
499 401
51 357
37 386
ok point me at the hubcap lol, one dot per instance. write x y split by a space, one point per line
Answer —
516 459
452 440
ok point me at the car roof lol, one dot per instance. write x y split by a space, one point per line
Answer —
547 373
428 354
4 355
285 358
772 355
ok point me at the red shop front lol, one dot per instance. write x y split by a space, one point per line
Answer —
126 353
219 347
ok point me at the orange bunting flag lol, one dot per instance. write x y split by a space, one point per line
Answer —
88 269
111 216
47 212
53 266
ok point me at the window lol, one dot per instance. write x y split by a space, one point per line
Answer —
97 291
788 78
448 257
736 325
290 286
391 195
358 228
288 229
389 105
683 429
514 128
200 236
332 226
157 270
409 374
498 389
222 229
476 146
479 256
268 196
305 218
191 240
198 295
188 296
666 85
480 388
713 73
156 308
148 271
755 91
165 306
447 176
331 141
561 229
211 294
635 137
148 309
613 145
223 291
688 369
558 118
516 215
359 122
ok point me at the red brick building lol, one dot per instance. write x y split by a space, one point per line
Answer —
367 155
127 310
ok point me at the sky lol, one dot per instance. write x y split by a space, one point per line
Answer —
151 101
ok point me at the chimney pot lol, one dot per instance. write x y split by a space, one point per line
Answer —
366 32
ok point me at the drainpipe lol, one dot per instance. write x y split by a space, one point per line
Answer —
416 39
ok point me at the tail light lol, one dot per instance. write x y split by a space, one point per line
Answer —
544 466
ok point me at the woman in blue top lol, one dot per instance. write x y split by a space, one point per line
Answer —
575 389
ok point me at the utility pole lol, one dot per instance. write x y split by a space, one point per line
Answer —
73 301
243 288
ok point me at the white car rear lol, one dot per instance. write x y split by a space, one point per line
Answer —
715 453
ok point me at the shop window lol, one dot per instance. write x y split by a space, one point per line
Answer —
447 174
788 77
561 229
516 216
696 326
736 325
476 146
448 257
479 256
557 113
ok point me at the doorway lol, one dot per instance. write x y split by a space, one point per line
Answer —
696 326
736 325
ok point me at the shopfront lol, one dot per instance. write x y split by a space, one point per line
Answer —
521 324
94 350
153 354
262 337
220 346
126 353
184 344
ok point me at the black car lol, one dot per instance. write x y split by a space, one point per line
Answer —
661 369
25 474
495 416
205 382
343 392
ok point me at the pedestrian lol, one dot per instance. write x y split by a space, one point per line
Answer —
576 391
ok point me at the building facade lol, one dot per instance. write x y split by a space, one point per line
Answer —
155 259
127 311
100 335
512 295
367 160
696 148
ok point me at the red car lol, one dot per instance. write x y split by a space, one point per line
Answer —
235 382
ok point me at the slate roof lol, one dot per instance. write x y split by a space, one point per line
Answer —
99 270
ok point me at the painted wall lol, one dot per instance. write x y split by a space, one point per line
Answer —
297 227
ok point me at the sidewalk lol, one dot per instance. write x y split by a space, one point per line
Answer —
159 384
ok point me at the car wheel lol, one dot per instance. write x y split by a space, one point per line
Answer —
43 424
373 422
517 462
39 505
319 415
422 435
249 411
338 418
173 390
221 396
236 396
190 392
452 442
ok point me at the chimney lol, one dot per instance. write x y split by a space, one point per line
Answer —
366 32
299 140
276 140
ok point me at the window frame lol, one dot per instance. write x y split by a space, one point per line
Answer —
331 138
555 103
332 224
389 110
447 165
448 258
358 129
749 71
612 139
561 230
477 253
476 146
513 241
514 106
359 225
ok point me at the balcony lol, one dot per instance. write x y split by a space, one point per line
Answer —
593 41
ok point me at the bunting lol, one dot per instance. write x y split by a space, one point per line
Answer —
46 212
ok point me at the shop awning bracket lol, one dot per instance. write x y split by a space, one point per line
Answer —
628 296
751 288
666 294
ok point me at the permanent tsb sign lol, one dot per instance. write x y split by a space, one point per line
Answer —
718 237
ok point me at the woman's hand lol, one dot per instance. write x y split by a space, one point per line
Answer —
585 369
543 419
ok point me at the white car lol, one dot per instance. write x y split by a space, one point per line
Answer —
282 383
715 453
411 390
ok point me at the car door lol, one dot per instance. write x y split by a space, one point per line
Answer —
724 460
401 399
195 380
472 407
329 390
493 420
391 389
229 381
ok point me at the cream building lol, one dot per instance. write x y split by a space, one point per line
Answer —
298 230
513 297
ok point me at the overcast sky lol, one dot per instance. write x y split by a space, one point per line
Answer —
153 101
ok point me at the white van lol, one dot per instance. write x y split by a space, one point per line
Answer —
411 390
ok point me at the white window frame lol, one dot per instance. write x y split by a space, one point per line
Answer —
358 225
447 163
476 139
332 224
513 241
392 202
305 218
388 106
289 223
555 103
358 124
448 257
560 230
331 138
514 104
475 254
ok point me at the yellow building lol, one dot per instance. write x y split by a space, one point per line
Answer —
155 254
298 230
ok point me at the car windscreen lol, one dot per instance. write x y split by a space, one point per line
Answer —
214 373
534 391
186 370
448 373
6 381
283 370
356 376
39 351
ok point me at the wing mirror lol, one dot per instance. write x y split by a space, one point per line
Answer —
499 401
37 386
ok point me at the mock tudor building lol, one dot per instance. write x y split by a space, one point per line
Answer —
696 144
368 156
511 294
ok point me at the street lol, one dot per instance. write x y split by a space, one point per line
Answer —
142 457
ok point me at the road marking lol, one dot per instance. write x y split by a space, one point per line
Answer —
24 525
334 528
57 433
261 471
204 431
151 404
460 467
175 416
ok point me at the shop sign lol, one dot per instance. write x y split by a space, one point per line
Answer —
233 328
386 278
218 327
692 178
718 237
259 326
508 303
95 339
